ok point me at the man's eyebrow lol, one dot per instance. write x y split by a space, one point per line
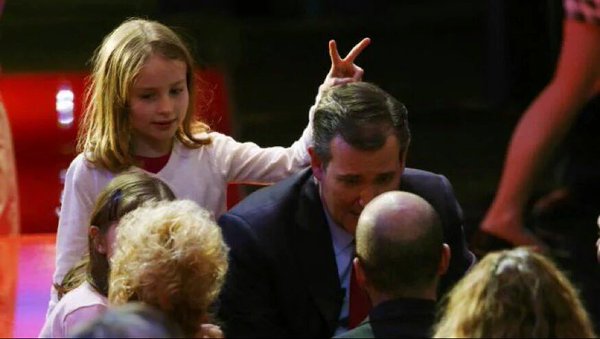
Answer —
346 175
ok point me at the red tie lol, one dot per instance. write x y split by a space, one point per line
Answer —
360 305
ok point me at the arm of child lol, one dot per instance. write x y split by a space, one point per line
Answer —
76 207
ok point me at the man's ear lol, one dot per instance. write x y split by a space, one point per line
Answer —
316 164
444 260
360 273
98 240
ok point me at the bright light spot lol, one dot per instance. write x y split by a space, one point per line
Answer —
64 107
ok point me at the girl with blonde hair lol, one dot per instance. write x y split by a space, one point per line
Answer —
140 114
84 290
514 294
170 255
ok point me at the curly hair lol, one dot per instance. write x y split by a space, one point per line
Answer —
170 255
511 294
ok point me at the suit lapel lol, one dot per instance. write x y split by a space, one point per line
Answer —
314 251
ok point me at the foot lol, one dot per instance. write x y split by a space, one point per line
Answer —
554 200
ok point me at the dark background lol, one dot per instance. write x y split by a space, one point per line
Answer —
466 69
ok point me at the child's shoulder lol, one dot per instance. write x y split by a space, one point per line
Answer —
80 163
82 296
81 166
83 304
208 135
215 140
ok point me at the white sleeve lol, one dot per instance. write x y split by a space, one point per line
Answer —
77 203
246 162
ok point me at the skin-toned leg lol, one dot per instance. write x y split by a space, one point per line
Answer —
542 127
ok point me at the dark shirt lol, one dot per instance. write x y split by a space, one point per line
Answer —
397 318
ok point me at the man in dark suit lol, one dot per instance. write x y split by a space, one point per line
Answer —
400 257
292 244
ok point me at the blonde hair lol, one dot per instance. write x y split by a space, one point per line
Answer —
511 294
170 255
105 132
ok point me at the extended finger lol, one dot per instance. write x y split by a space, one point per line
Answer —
333 53
356 50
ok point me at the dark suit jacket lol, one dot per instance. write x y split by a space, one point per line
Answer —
283 279
398 318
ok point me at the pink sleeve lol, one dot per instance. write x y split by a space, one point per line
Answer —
81 317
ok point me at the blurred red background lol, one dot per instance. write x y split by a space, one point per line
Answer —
44 147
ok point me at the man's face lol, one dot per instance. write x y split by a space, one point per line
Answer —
354 177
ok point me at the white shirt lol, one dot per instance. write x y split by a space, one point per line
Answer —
76 308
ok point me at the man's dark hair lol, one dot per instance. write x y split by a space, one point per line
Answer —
363 114
399 256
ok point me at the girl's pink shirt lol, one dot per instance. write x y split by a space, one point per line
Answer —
75 309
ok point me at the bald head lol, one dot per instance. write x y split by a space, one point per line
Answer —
396 214
399 242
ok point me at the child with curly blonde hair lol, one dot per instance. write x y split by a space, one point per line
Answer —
170 255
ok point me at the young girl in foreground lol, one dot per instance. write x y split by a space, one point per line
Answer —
140 114
87 292
171 255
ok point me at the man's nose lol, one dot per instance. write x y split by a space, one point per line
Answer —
366 195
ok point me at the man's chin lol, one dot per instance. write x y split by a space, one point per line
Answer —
350 225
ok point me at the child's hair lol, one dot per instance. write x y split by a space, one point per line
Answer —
105 131
170 255
123 194
514 294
